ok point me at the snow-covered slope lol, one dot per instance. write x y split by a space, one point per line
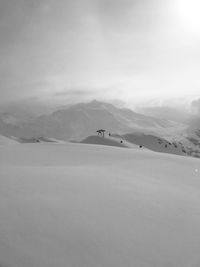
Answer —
110 140
155 143
135 140
103 141
82 205
191 140
6 141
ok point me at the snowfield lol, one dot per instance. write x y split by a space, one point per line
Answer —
75 205
6 141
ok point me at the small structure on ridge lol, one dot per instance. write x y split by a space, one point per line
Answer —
101 132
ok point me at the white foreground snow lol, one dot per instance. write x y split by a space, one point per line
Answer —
80 205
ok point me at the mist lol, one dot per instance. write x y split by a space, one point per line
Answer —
131 50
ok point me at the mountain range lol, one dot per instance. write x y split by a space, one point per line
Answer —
77 122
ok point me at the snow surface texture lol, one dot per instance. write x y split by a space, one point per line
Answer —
97 206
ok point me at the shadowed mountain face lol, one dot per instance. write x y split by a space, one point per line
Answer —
139 141
78 121
156 144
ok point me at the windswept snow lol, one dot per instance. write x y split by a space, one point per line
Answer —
92 206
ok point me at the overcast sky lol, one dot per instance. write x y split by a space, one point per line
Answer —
127 49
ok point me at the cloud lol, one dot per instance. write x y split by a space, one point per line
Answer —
74 92
195 106
84 92
134 49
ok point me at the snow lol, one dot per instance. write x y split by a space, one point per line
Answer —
92 206
107 141
6 141
155 143
115 140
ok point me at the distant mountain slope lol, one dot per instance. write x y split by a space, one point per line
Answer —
11 127
192 141
81 120
26 109
190 138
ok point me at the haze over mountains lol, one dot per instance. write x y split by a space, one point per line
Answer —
78 121
168 113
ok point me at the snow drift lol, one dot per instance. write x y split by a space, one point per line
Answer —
82 205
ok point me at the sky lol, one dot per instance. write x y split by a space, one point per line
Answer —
132 50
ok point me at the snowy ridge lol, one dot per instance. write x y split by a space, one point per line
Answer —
138 140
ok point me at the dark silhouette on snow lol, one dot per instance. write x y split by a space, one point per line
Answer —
101 132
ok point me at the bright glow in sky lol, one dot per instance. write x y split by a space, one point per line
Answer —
189 14
127 49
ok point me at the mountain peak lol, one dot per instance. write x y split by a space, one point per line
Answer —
96 103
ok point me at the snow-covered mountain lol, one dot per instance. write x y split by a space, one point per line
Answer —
26 109
139 140
81 120
188 137
77 122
